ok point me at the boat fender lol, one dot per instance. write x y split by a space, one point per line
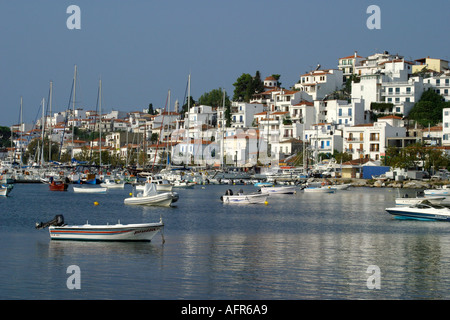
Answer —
221 198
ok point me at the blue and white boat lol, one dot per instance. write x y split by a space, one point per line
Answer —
87 232
443 191
421 211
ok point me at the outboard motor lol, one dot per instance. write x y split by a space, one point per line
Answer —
57 221
229 192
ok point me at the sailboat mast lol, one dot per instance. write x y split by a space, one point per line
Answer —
42 132
187 128
50 126
73 105
222 154
100 118
21 131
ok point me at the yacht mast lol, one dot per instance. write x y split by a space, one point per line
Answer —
73 105
50 126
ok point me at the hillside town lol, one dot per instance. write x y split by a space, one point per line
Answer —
360 108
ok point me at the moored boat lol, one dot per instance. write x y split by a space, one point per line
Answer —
421 211
321 189
89 189
279 190
111 184
406 201
151 197
240 197
442 191
5 189
58 186
87 232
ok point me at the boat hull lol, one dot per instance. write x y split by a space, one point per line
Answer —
412 201
118 232
89 190
420 214
279 190
246 198
58 186
437 192
161 199
319 190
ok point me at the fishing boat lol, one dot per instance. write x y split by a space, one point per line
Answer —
421 211
111 184
279 190
87 232
57 185
151 197
5 189
241 197
89 189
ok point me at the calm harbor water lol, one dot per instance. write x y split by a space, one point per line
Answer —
302 246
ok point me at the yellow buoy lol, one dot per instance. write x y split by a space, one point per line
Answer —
266 203
131 194
95 203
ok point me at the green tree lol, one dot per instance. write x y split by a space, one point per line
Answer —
5 135
214 98
428 110
246 86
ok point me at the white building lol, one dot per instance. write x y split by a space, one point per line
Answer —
242 114
370 140
446 127
319 83
347 65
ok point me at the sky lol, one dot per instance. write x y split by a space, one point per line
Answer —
141 49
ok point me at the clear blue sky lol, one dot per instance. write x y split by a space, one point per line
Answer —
143 48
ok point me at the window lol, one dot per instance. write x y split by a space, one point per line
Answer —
408 89
407 99
340 112
397 90
390 90
349 112
446 125
397 109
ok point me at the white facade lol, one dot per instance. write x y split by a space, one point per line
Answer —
242 113
446 127
369 140
319 83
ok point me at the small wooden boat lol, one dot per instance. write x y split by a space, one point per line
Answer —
344 186
87 232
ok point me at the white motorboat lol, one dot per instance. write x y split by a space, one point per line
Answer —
151 197
161 184
406 201
87 232
90 189
443 191
252 198
183 184
5 189
344 186
279 190
421 211
111 184
321 189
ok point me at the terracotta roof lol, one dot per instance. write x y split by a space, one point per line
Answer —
350 57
